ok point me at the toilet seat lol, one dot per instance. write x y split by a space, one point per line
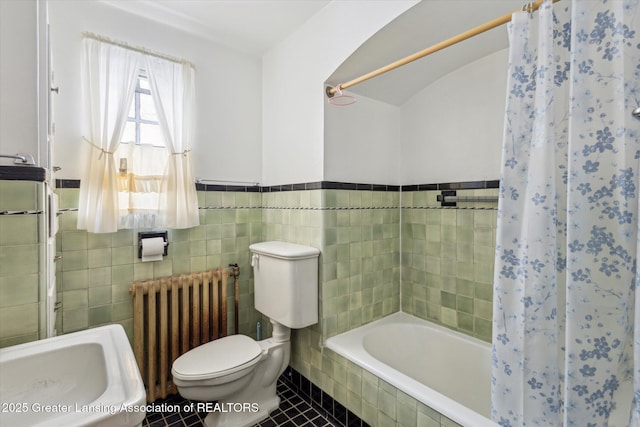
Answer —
217 358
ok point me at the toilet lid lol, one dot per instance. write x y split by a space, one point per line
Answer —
219 357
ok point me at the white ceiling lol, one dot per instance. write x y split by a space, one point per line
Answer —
254 26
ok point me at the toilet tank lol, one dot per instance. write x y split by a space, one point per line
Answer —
286 282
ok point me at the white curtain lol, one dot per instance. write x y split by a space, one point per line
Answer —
157 187
140 186
173 95
109 76
566 323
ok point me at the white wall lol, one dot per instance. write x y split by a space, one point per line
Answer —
19 83
294 73
227 142
362 142
452 129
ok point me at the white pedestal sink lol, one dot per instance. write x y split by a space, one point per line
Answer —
86 378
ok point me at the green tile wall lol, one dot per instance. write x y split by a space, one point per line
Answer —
447 261
297 217
358 234
366 238
22 243
97 270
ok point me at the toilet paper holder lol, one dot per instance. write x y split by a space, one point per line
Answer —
150 234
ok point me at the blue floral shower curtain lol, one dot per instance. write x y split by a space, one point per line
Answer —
566 329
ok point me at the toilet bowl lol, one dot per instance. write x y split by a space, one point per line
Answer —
239 373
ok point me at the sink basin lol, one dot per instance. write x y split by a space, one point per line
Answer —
87 378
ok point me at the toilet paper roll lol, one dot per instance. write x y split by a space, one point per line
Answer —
152 249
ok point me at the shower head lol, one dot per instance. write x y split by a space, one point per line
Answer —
636 113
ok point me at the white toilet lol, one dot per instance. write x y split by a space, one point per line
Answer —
238 372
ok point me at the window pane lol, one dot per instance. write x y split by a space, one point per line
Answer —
132 109
144 83
147 109
151 134
129 134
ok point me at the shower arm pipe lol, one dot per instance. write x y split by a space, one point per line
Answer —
531 7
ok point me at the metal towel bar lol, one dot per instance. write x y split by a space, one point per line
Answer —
20 158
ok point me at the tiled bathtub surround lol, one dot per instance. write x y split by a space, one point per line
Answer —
447 260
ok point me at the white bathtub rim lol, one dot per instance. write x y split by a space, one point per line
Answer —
436 400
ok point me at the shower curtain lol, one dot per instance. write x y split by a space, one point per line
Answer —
566 322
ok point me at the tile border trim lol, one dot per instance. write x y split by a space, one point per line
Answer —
325 185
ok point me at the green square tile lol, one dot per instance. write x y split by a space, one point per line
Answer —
484 219
74 279
449 317
120 293
99 240
73 240
18 320
99 315
464 304
122 274
465 322
181 265
18 195
123 255
100 276
483 291
407 414
99 296
482 329
483 236
448 300
68 221
370 392
74 260
387 403
122 238
75 299
122 310
75 320
18 229
68 198
143 271
483 273
483 309
99 257
162 268
18 290
22 259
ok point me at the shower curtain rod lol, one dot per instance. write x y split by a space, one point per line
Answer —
530 7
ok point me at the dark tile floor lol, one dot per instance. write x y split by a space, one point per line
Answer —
294 411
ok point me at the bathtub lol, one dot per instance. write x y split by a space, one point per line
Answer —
446 370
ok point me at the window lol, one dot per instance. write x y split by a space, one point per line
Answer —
141 159
142 123
138 172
